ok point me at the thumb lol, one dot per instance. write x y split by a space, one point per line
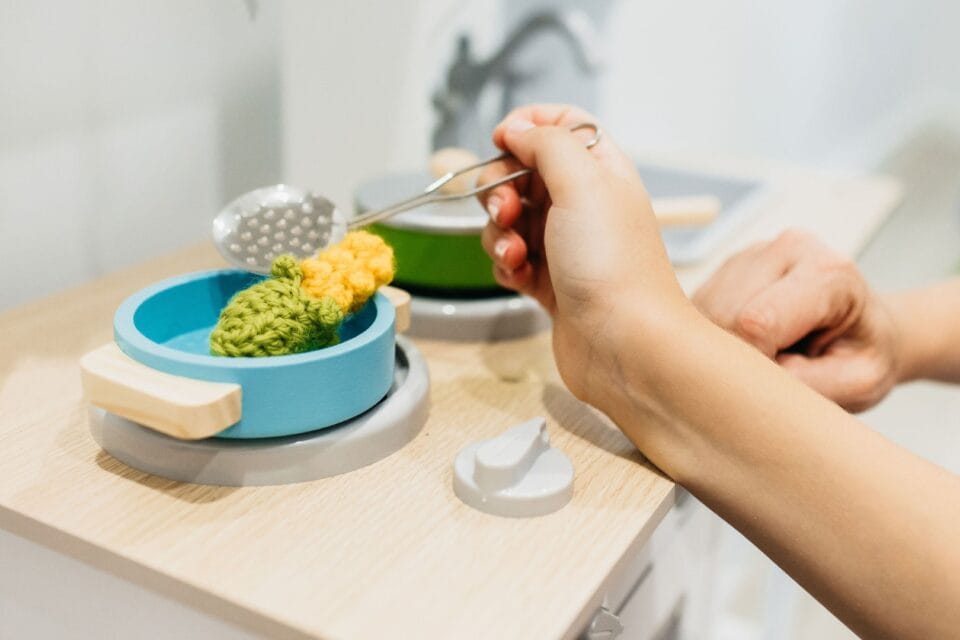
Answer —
568 169
800 303
850 382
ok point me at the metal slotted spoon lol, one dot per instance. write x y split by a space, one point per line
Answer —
260 225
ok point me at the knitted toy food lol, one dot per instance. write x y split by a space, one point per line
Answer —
350 271
275 316
301 306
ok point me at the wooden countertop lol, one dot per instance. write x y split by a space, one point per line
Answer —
385 551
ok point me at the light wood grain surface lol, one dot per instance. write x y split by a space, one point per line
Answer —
383 552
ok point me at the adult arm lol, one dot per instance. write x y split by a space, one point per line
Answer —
928 322
810 309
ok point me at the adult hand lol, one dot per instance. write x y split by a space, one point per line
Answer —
810 309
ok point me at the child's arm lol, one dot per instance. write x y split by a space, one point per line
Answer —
868 528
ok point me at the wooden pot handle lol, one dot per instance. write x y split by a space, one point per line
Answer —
181 407
401 302
686 211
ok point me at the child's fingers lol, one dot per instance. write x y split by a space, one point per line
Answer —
506 248
502 205
507 207
511 268
519 280
542 115
568 170
566 116
503 202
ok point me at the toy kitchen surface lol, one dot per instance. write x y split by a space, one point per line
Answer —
93 546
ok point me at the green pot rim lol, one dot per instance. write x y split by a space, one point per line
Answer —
437 260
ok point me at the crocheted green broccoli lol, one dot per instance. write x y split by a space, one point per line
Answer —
275 317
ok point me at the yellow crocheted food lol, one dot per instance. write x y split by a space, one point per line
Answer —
351 271
300 307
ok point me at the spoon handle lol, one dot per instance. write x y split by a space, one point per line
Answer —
431 193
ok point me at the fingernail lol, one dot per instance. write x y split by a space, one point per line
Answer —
500 248
519 126
506 274
493 207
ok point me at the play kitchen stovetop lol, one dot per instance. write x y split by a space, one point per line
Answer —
441 262
163 404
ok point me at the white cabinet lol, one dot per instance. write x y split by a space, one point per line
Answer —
664 592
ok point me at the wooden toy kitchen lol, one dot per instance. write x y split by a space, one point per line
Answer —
385 523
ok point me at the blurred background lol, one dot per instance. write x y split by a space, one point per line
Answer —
125 126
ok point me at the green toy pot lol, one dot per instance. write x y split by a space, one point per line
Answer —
437 246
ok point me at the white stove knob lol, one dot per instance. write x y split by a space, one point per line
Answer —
517 474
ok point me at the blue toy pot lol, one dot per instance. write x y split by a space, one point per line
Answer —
166 328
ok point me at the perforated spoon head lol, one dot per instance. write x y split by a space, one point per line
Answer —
260 225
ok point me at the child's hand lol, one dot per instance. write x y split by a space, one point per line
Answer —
578 235
810 309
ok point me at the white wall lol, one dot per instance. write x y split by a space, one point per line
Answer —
819 82
356 99
124 126
806 82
